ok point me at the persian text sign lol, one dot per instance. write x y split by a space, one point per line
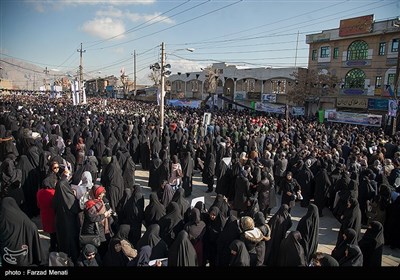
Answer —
352 102
357 25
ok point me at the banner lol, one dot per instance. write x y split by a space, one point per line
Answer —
75 93
355 118
184 103
321 115
298 111
271 108
393 106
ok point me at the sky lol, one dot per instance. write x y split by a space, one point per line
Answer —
246 33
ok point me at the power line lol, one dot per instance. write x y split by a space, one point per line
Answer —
137 27
167 28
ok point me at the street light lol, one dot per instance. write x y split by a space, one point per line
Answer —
164 69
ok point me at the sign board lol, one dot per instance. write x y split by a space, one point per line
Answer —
268 98
298 111
357 25
351 102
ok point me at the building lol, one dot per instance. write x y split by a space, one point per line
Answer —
364 55
99 86
261 88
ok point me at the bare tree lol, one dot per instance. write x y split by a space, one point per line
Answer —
311 84
155 76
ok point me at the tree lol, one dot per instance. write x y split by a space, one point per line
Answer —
310 84
155 76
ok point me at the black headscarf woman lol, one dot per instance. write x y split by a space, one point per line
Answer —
182 252
19 237
239 254
179 197
114 257
171 224
152 238
371 245
291 252
89 257
154 210
351 218
349 237
66 207
196 229
353 256
113 181
308 226
279 223
10 179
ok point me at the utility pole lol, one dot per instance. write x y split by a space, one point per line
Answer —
162 88
46 72
134 72
80 73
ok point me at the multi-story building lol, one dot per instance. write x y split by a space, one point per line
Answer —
231 86
364 54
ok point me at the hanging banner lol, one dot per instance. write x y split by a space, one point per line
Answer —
393 106
184 103
271 108
355 118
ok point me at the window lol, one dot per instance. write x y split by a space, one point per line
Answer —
195 86
335 53
357 50
395 45
278 86
382 47
178 85
355 78
378 82
314 55
391 79
250 85
325 52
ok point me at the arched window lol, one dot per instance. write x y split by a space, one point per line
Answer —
355 78
357 50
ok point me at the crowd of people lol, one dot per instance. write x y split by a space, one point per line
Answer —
74 166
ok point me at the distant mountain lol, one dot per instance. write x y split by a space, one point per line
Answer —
18 74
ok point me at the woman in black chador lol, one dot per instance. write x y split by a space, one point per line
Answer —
182 252
187 170
279 223
19 237
66 206
308 226
371 245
